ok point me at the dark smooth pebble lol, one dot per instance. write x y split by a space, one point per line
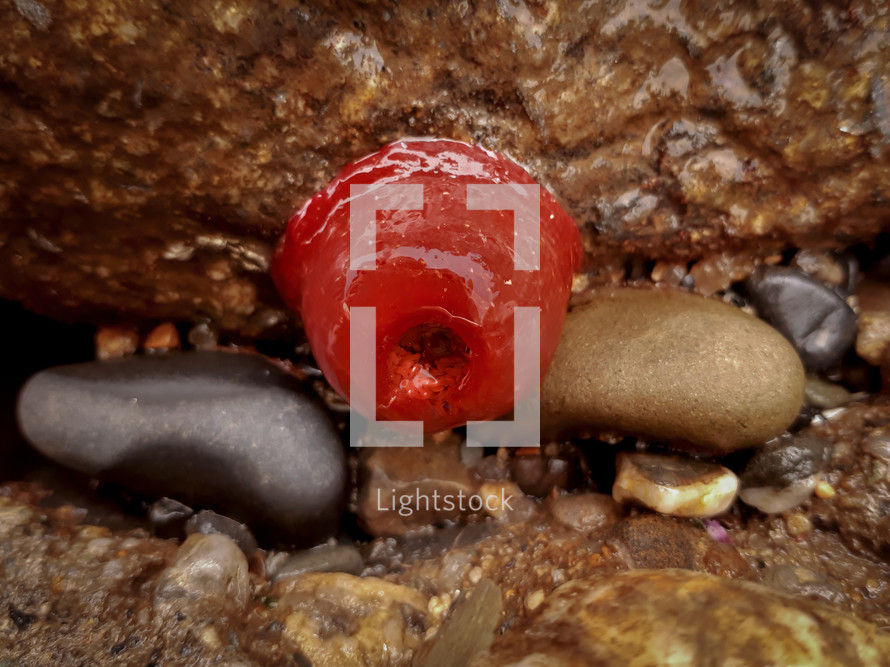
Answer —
168 517
208 522
324 558
166 510
786 460
817 321
538 475
226 431
851 273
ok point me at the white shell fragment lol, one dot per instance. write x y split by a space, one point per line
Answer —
772 500
674 485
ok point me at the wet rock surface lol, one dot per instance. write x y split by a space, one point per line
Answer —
339 619
150 157
672 367
213 429
143 187
654 616
859 472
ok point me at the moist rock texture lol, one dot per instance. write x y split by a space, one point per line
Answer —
654 617
672 367
150 155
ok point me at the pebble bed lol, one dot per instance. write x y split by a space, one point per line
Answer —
694 441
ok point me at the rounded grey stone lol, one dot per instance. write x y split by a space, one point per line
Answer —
231 432
786 461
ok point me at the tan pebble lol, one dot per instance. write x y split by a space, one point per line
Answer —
534 599
671 367
438 605
820 265
674 485
580 282
116 342
824 490
210 637
162 337
798 524
873 339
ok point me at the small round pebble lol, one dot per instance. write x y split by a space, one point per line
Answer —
585 512
824 490
206 566
163 337
116 342
798 524
208 522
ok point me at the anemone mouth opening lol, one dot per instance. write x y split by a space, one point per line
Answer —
430 363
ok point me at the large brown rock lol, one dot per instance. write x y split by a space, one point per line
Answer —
675 617
150 153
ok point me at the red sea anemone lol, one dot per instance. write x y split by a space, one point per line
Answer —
444 276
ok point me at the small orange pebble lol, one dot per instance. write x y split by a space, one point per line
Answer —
116 342
528 451
162 337
824 490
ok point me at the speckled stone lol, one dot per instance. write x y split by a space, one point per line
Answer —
676 617
671 367
333 618
231 432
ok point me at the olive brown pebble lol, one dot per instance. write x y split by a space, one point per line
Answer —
219 430
672 367
655 617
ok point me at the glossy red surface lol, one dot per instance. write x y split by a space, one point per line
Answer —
445 274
